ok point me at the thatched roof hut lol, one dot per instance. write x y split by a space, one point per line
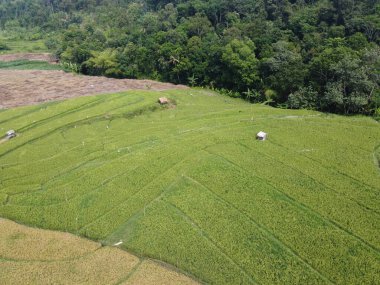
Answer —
163 100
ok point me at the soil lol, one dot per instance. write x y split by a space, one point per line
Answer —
28 56
28 87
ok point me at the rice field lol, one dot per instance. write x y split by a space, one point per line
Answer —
191 186
34 256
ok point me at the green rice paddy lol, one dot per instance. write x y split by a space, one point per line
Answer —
191 186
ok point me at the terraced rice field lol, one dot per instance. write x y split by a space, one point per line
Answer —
192 187
34 256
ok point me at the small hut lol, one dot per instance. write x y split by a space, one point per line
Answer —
261 136
163 100
10 134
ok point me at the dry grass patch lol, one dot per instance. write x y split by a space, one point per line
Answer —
19 242
28 56
33 256
102 267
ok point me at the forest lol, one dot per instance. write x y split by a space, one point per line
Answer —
313 54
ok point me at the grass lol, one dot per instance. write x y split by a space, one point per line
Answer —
152 273
25 46
192 187
29 64
33 256
19 45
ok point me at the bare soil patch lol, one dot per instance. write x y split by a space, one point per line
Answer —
28 56
28 87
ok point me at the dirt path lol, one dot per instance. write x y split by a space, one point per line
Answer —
28 87
29 56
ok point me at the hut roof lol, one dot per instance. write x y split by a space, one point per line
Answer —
11 132
163 100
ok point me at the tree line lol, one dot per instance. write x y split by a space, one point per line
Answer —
316 54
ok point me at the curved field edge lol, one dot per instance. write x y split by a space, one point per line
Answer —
191 186
35 256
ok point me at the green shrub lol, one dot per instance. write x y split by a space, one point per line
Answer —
304 98
3 46
377 114
69 66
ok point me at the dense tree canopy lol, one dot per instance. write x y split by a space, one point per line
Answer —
320 54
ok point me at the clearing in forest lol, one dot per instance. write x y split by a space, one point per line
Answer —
26 87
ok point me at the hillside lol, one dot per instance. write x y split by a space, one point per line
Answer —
190 185
321 54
